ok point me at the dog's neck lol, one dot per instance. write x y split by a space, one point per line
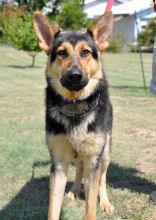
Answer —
73 102
78 108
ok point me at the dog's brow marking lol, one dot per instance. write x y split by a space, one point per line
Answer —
82 45
66 45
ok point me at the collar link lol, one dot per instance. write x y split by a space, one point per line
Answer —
81 113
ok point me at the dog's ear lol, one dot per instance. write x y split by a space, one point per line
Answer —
102 29
45 31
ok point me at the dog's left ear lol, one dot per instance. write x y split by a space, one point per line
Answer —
102 29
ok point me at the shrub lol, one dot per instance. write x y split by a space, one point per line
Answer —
7 11
71 15
134 48
147 36
19 33
115 44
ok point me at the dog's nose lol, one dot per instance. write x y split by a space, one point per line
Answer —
75 75
74 80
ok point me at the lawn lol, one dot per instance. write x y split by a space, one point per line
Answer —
24 158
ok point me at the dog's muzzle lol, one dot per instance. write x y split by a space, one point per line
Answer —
74 80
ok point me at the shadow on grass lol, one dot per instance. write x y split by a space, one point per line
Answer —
123 177
127 87
32 200
23 67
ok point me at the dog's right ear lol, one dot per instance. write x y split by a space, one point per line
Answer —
45 31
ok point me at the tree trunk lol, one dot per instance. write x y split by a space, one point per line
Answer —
33 61
33 55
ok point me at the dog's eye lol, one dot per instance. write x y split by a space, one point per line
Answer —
85 53
62 53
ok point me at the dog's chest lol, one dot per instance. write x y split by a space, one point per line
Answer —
77 140
79 134
83 142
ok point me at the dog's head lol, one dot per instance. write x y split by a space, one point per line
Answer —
74 66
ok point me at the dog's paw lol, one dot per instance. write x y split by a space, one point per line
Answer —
71 195
107 207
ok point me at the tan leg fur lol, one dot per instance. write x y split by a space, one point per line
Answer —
76 188
104 201
91 178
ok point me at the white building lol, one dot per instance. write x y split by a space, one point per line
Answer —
126 12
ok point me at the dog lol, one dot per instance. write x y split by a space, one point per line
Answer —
78 110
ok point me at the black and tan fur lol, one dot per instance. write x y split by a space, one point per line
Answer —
78 111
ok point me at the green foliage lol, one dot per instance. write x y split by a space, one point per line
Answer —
72 15
7 11
2 40
55 7
134 48
32 5
20 34
147 36
18 31
115 44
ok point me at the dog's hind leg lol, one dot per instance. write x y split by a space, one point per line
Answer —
104 201
76 188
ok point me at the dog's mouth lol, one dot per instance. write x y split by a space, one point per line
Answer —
74 86
74 80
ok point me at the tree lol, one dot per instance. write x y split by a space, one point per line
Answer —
19 33
71 15
56 7
148 34
32 5
7 11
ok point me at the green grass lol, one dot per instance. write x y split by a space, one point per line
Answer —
24 167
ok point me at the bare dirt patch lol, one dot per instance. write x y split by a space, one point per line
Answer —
146 161
147 133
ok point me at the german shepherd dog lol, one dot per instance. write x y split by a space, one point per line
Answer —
78 110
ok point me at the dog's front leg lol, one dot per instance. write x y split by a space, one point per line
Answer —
58 178
76 188
104 201
92 176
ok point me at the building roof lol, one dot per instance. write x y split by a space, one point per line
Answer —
94 8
